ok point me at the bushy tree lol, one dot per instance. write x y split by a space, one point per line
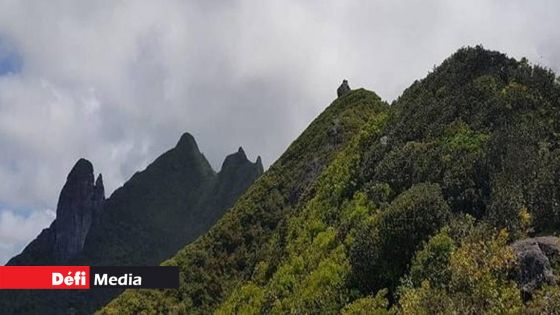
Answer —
545 301
431 263
370 305
382 250
477 275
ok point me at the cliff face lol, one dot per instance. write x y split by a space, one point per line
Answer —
159 210
80 201
236 174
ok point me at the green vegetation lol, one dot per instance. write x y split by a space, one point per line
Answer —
409 220
381 210
253 237
475 277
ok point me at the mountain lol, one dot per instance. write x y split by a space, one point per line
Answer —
231 252
154 214
410 208
80 201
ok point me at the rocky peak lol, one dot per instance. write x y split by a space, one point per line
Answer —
99 185
343 88
239 163
259 165
79 200
186 156
99 193
236 175
187 143
241 152
235 159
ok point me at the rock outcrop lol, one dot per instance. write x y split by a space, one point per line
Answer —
237 162
343 88
236 175
80 201
536 257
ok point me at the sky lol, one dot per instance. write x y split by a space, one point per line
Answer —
118 82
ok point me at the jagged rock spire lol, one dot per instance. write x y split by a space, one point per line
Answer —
239 160
259 165
233 160
241 152
99 193
79 200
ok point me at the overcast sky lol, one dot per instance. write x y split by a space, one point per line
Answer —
118 82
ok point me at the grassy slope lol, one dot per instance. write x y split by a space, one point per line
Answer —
217 262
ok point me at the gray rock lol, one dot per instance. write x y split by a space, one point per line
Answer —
259 166
535 257
343 88
384 140
98 194
79 201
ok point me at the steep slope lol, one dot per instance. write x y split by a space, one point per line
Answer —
157 201
159 210
216 263
413 214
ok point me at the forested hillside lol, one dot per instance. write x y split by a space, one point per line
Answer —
414 208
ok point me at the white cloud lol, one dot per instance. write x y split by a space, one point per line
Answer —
17 229
117 82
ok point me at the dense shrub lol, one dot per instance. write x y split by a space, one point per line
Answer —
370 305
376 259
476 277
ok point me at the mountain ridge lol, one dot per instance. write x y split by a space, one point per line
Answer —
157 211
213 264
414 213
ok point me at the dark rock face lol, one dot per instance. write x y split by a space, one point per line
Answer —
236 175
155 213
238 162
80 199
535 259
98 195
343 88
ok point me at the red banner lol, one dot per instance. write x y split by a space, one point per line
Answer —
45 277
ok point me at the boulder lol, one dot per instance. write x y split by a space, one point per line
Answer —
536 257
